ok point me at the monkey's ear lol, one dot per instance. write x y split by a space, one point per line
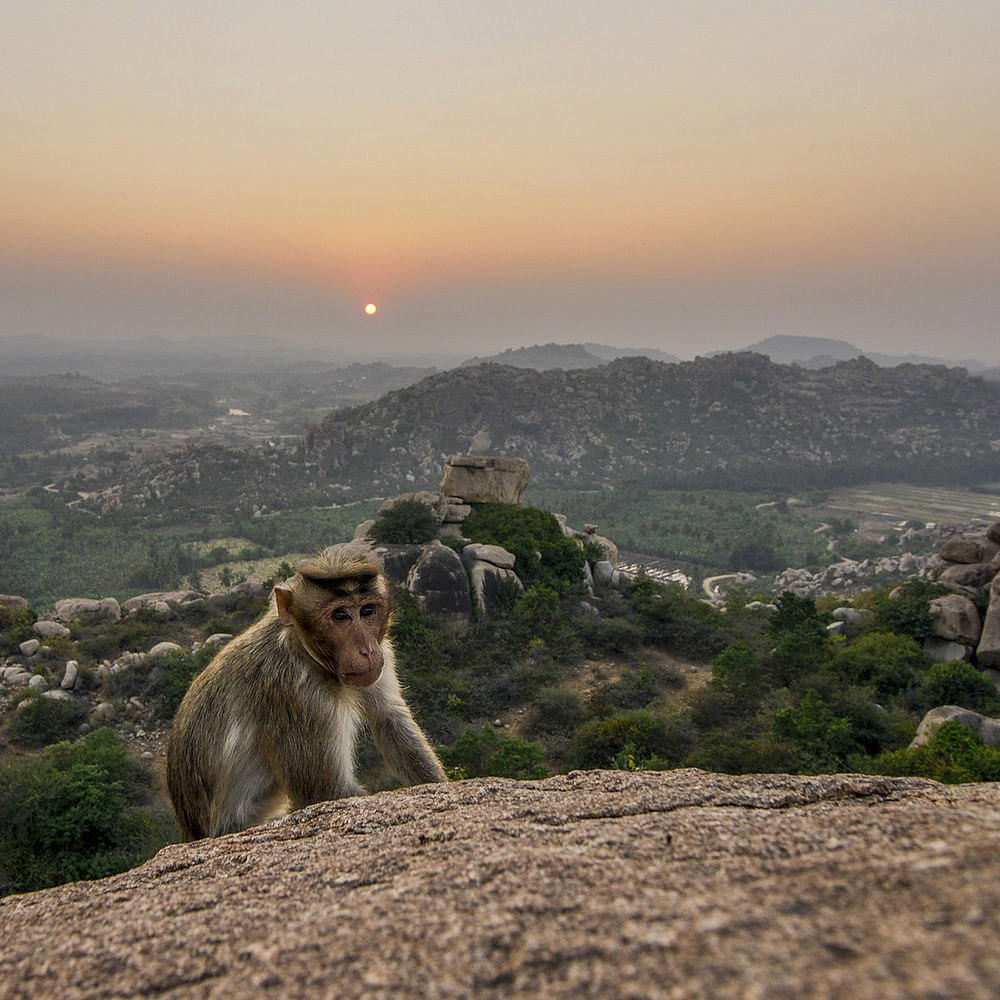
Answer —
283 601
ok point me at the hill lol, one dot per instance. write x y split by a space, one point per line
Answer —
734 420
567 356
820 352
609 884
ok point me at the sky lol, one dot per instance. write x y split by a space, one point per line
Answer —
684 176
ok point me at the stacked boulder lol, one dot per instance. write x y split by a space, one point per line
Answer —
449 580
967 620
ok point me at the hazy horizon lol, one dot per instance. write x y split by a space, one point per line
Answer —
495 176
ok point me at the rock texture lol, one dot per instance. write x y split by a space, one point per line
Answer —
597 884
485 479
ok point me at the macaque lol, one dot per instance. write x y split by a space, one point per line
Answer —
270 725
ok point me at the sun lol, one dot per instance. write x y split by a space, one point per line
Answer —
371 309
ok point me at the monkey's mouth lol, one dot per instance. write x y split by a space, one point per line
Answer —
362 679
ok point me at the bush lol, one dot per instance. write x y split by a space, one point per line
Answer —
954 754
76 812
825 740
483 752
640 735
887 661
957 683
557 711
543 554
405 523
910 612
737 671
39 721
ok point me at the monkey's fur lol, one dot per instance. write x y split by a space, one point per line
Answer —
270 724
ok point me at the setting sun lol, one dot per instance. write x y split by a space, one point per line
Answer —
371 308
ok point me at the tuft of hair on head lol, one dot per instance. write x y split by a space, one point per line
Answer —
343 575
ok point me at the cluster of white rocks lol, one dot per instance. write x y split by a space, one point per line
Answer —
851 574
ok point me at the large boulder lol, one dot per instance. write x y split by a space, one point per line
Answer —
961 550
594 884
485 479
986 728
491 571
87 610
988 650
955 618
162 597
440 584
969 579
50 630
13 602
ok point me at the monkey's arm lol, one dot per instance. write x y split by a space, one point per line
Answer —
398 737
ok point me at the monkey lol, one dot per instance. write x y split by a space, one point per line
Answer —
270 725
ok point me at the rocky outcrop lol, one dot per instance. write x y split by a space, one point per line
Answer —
485 479
13 602
87 610
598 884
972 573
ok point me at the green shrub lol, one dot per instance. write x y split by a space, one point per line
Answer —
909 613
737 670
407 522
957 683
954 754
639 734
38 721
557 711
888 662
543 554
825 740
76 812
482 752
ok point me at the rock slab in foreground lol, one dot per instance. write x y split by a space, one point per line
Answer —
597 884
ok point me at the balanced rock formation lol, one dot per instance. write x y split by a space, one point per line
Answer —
598 884
485 478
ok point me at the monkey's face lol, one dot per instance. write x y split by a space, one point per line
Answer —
347 638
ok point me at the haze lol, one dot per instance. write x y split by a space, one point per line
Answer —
687 177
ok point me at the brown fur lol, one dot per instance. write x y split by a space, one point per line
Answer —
270 724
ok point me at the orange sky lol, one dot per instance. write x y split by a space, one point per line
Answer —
426 153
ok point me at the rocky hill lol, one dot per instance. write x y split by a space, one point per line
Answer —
604 884
731 420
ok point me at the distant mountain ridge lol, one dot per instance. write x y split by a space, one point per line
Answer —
567 356
821 352
730 420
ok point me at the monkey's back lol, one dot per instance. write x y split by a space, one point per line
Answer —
206 731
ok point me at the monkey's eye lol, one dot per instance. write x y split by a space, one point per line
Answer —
341 615
368 610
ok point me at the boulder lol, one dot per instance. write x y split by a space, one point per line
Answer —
988 729
87 610
70 675
961 550
50 630
13 602
485 479
945 651
677 884
969 579
993 532
38 682
29 647
603 572
955 618
988 650
16 676
491 570
439 582
435 502
161 597
495 555
162 649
